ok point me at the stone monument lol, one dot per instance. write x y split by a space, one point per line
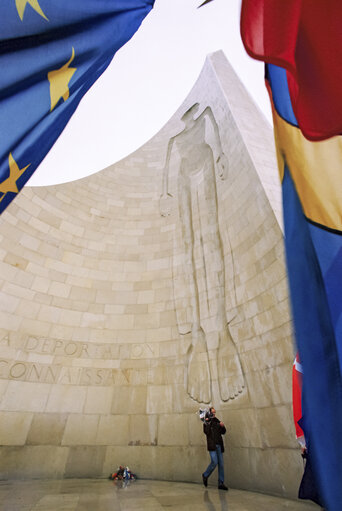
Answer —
133 297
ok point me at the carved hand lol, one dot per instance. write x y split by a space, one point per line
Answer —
222 165
166 204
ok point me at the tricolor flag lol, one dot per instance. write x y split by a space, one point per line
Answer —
297 375
301 42
51 53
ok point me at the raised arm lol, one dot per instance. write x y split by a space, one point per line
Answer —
220 158
166 167
209 113
166 197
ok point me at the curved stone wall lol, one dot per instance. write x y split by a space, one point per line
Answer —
134 296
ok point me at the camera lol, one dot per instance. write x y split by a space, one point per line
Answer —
205 414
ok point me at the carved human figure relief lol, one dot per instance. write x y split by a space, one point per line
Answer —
198 262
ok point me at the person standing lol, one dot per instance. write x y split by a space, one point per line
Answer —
214 429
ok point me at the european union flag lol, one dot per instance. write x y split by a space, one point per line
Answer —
302 47
51 53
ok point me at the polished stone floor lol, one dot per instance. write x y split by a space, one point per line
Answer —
141 495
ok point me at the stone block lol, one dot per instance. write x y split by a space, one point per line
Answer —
8 303
25 396
269 387
159 399
37 462
99 400
173 430
129 399
50 314
46 429
277 427
277 463
243 428
66 398
59 289
113 430
85 461
80 429
143 430
14 427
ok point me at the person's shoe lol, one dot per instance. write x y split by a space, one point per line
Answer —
222 487
205 480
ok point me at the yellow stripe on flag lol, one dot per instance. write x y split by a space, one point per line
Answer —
315 169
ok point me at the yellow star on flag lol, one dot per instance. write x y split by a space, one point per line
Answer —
21 4
10 183
59 81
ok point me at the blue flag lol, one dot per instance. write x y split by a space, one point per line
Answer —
310 173
51 53
302 47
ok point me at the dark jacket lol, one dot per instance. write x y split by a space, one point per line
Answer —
214 433
308 488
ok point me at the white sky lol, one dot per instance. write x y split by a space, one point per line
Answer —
146 82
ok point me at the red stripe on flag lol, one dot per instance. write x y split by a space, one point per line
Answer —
297 396
304 37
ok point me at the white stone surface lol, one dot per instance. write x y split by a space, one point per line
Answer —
118 322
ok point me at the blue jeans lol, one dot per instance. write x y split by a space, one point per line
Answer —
216 459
